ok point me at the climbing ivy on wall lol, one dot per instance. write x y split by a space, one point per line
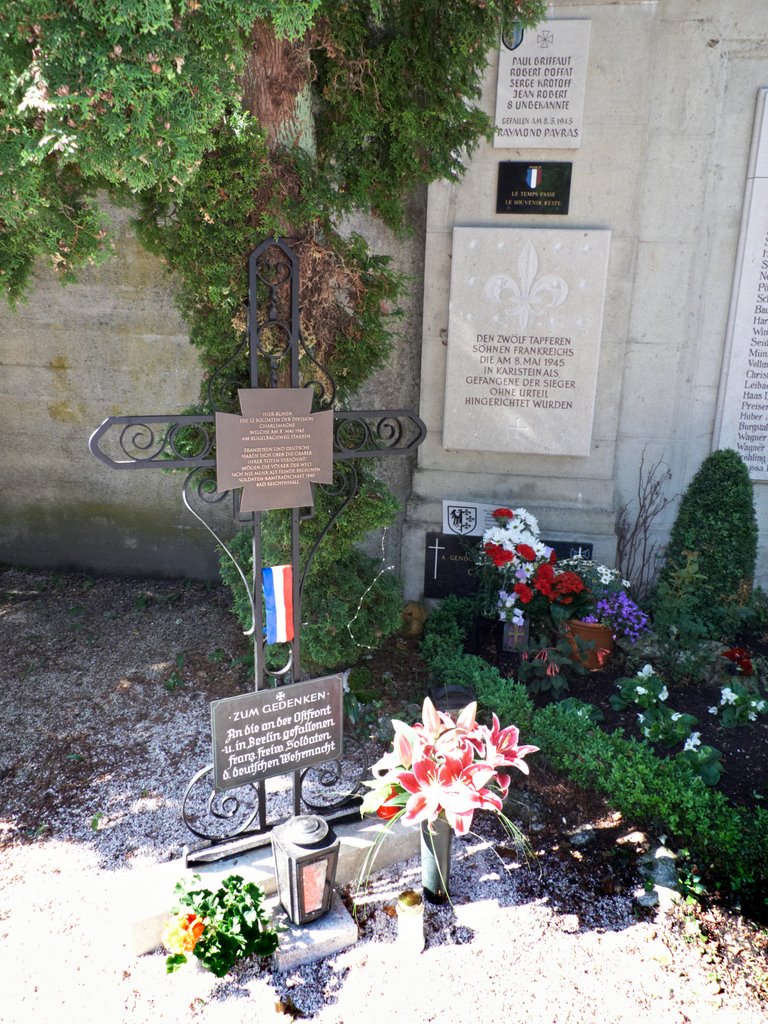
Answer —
129 96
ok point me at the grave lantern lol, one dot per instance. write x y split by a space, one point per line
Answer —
306 851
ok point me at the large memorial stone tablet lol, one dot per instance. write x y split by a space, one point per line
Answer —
540 91
743 410
524 327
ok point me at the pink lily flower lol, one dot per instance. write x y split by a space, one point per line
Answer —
502 748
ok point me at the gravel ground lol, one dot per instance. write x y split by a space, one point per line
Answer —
104 693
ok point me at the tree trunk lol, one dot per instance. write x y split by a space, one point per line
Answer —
277 71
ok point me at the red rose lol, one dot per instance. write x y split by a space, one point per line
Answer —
524 592
526 551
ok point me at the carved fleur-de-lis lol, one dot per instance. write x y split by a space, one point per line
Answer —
533 296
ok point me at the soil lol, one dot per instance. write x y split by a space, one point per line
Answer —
105 686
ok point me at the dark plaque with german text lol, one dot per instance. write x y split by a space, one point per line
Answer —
539 187
272 732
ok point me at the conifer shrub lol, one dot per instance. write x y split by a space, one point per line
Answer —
716 520
350 602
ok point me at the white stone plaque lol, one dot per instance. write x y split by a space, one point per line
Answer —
540 90
743 407
524 326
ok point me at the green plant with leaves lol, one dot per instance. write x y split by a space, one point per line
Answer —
176 679
670 794
680 642
738 706
220 926
716 520
665 727
705 761
547 665
645 689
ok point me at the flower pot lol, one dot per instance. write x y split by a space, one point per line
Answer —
599 636
436 859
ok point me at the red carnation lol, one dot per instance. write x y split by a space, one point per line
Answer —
503 513
526 551
497 554
524 592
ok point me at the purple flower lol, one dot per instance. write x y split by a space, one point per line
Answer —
623 616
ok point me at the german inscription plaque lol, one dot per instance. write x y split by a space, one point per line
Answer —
275 450
271 732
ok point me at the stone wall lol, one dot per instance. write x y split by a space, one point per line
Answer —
668 115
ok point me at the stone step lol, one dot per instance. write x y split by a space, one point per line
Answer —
146 894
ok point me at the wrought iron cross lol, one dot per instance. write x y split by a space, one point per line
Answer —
277 357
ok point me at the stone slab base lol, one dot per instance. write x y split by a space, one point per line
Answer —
146 894
310 942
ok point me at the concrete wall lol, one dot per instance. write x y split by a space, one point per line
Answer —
114 344
668 117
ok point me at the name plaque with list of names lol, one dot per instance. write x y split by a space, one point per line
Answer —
743 406
541 87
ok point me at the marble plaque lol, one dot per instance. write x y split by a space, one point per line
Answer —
524 327
540 90
743 405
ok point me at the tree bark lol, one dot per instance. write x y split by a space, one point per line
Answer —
277 70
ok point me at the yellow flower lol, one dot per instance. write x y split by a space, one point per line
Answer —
181 933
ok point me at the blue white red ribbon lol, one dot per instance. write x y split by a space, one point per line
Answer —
277 582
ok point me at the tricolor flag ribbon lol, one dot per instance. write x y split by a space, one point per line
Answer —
277 582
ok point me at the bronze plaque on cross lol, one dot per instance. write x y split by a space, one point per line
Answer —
275 450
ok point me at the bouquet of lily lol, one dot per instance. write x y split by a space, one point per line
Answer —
441 767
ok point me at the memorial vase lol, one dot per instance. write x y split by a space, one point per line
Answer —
436 859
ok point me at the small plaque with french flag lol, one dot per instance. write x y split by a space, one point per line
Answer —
542 187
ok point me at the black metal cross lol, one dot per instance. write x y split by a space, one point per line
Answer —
273 347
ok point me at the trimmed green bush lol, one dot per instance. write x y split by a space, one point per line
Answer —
716 519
